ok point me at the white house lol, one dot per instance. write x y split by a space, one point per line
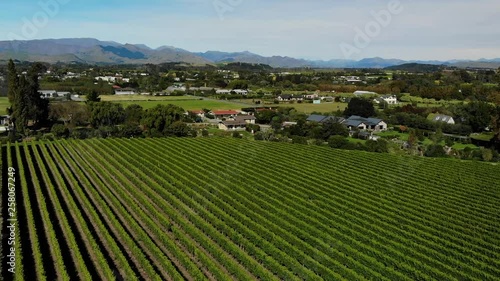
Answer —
232 125
125 91
391 99
46 94
443 118
361 93
223 92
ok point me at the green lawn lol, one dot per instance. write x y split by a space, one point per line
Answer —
4 103
460 146
146 98
323 107
483 136
186 104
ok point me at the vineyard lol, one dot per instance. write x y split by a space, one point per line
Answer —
228 209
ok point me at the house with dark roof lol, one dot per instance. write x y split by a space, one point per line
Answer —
323 119
248 119
362 123
233 125
287 97
443 118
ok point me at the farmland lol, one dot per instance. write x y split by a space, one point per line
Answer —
186 102
228 209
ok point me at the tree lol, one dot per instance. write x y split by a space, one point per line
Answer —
157 120
435 150
71 113
38 107
178 129
13 81
133 114
59 130
360 107
331 128
412 138
25 99
337 141
380 146
106 114
478 115
93 96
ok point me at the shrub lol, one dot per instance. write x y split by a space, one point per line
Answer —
337 141
59 130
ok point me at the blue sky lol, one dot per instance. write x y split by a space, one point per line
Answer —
314 29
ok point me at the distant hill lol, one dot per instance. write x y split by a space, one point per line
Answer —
93 51
416 67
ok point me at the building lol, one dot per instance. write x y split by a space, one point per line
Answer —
388 99
220 114
324 119
443 118
49 94
46 94
248 119
362 93
199 113
287 97
233 125
361 123
125 91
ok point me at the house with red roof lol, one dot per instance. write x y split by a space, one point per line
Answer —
219 114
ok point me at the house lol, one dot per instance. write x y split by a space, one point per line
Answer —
362 93
4 120
285 97
240 92
46 94
233 125
355 124
362 123
248 119
443 118
323 119
311 96
125 91
223 92
219 114
199 113
388 99
368 136
287 124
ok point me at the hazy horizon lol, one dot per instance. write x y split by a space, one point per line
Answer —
315 30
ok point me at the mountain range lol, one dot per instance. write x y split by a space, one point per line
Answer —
93 51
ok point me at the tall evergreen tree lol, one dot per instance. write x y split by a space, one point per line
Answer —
24 97
13 83
38 107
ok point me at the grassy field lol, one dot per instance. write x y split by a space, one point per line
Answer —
4 103
186 102
323 107
228 209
